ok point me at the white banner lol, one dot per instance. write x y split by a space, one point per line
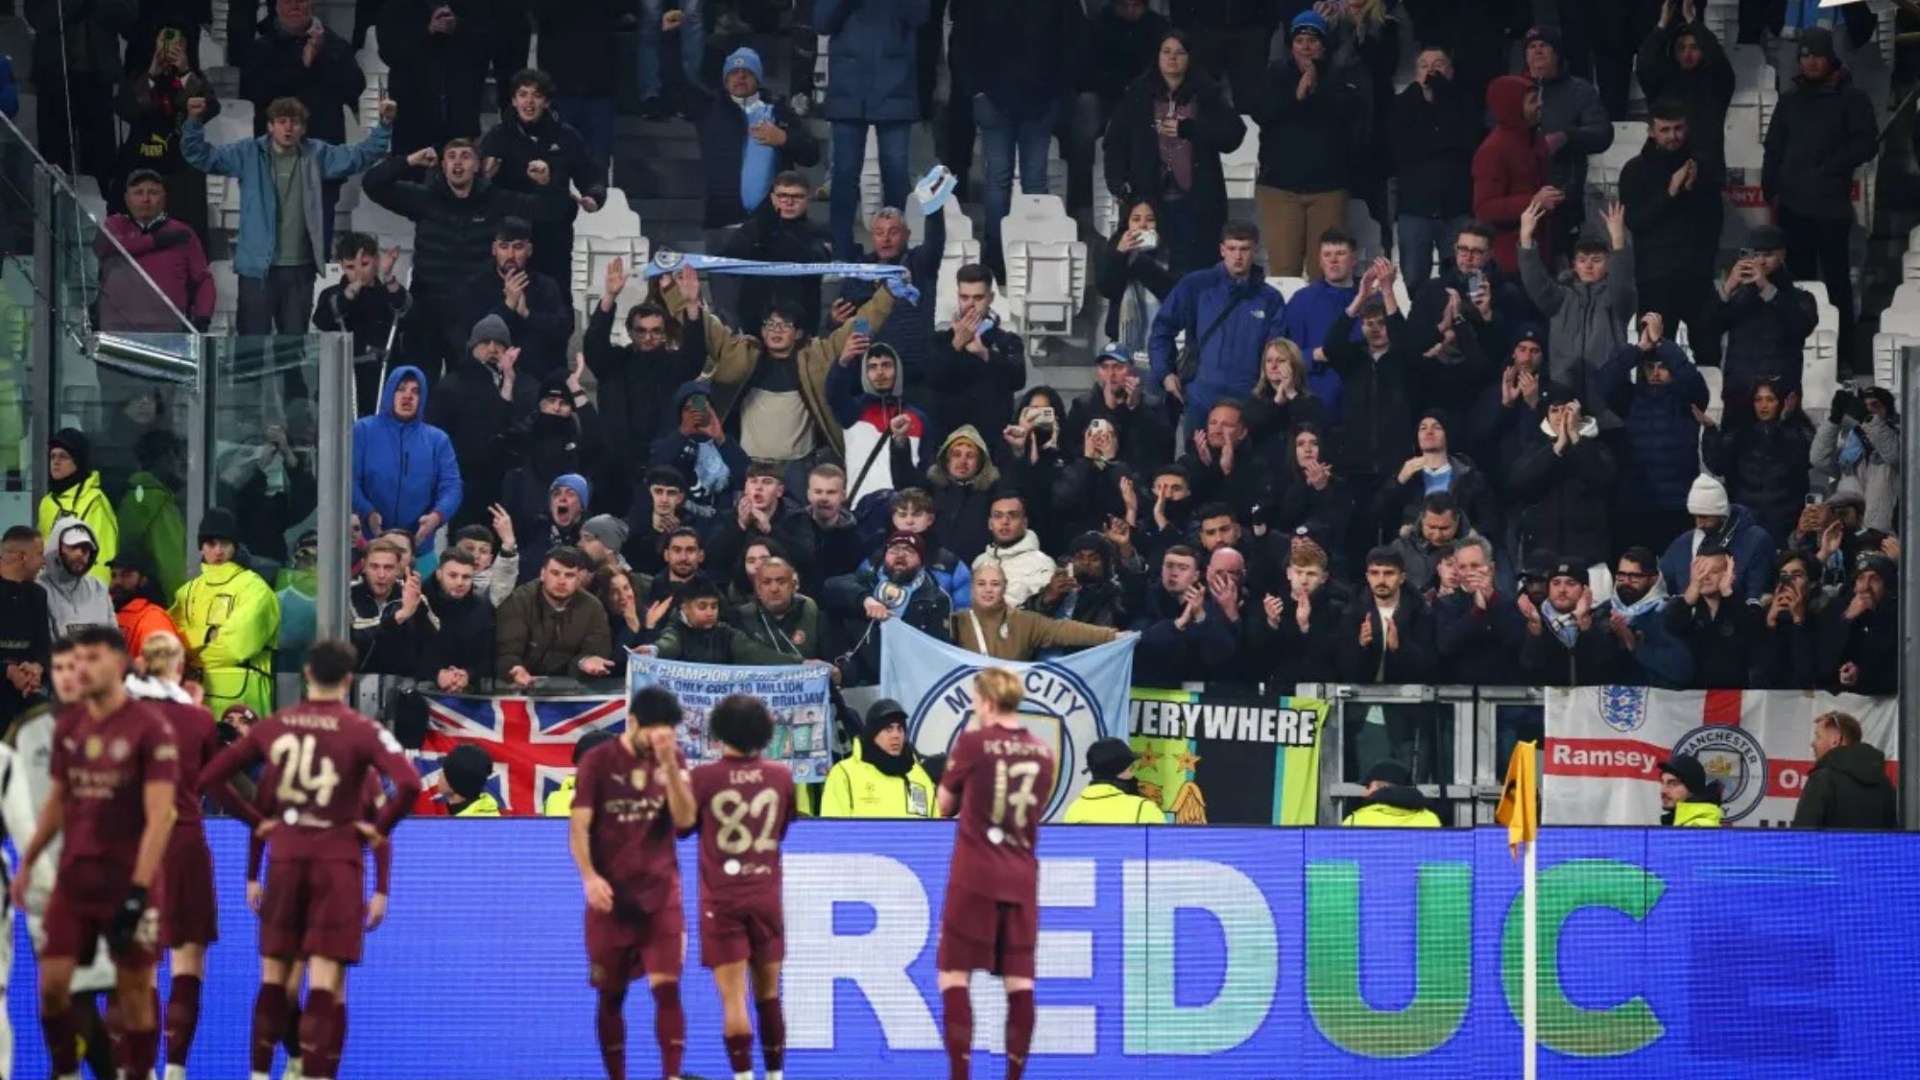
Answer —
1604 746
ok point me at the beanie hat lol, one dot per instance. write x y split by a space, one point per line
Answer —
743 59
1108 758
607 529
467 768
1094 542
573 482
1687 769
1818 41
490 328
1547 35
903 538
1708 497
555 386
1307 22
218 523
75 443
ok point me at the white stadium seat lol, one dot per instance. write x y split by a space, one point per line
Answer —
1047 268
1290 285
226 297
1242 167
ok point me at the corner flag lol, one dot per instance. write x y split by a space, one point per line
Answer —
1519 807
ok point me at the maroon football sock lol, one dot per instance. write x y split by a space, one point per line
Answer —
739 1052
339 1034
183 1017
316 1034
1019 1031
290 1025
611 1026
269 1021
773 1033
669 1026
138 1051
63 1042
958 1006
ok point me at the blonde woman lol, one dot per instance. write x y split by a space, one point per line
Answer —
1281 401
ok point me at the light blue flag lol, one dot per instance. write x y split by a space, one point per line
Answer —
1071 701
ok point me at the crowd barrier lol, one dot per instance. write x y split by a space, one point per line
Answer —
1219 953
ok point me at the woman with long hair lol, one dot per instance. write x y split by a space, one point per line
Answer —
1164 145
620 595
1281 402
1134 274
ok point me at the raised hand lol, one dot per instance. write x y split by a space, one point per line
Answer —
388 260
856 347
616 277
1531 613
1393 634
387 110
1200 448
1615 215
196 108
1366 631
1274 609
424 159
502 524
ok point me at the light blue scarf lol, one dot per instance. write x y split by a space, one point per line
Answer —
758 162
1852 448
895 277
894 596
710 470
1565 627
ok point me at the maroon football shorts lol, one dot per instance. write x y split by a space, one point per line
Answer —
756 933
187 909
86 896
314 908
981 934
625 944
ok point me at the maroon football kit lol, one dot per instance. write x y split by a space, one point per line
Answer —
745 806
632 846
184 893
1003 778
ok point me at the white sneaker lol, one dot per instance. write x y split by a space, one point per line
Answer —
293 1070
176 1072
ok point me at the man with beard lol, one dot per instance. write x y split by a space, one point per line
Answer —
778 616
551 627
883 777
1566 645
137 603
963 483
1112 795
458 649
1016 550
1478 632
1858 643
762 513
454 210
1388 637
887 435
635 385
567 499
1141 430
1672 193
1097 588
695 633
561 436
900 589
1688 799
912 511
533 305
530 141
698 447
474 403
1172 516
1430 536
683 555
656 513
74 597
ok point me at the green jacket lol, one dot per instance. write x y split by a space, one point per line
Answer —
856 789
151 522
230 619
88 502
798 631
1696 815
1105 804
528 632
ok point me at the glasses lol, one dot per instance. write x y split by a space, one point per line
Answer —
1469 249
776 323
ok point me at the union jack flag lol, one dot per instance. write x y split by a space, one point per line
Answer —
529 739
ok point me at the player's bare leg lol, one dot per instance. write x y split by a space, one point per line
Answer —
56 1016
269 1015
189 966
290 1026
773 1020
320 1019
137 991
669 1021
957 1022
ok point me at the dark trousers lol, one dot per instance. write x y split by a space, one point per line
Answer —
1820 249
280 303
592 117
1757 17
365 14
87 147
1689 299
512 37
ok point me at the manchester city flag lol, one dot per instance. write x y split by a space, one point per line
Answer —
1071 700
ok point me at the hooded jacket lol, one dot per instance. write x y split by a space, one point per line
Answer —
229 619
1659 448
1764 464
1587 322
1566 498
73 600
1819 134
869 784
1848 788
1028 569
856 401
1674 236
1007 633
1510 167
403 469
1707 90
250 163
1103 802
85 502
1752 549
960 506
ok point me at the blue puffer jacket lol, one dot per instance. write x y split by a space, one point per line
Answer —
1753 554
1660 454
871 66
403 469
1230 358
248 162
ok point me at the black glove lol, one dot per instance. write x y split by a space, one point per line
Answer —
169 238
126 921
1841 398
1857 407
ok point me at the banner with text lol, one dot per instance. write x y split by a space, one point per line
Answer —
1071 701
800 698
1228 759
1605 744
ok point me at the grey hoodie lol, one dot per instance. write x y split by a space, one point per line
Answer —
1586 323
73 602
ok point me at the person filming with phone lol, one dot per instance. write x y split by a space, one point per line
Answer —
1768 320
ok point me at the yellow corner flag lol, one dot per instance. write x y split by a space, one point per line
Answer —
1520 799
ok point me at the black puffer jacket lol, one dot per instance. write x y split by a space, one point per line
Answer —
1307 146
1707 90
1765 467
1673 235
1848 789
1564 498
1819 134
453 237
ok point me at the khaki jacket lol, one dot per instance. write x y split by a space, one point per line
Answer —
1025 633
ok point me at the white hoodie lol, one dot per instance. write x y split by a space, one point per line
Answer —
1028 569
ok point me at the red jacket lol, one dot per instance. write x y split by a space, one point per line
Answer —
1508 169
180 271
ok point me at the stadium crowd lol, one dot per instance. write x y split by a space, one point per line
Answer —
1482 455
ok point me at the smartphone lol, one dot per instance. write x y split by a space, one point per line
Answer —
1815 498
170 37
863 327
1043 416
1474 281
1101 426
1149 239
1746 253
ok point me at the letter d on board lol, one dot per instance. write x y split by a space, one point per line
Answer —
1154 892
1567 1028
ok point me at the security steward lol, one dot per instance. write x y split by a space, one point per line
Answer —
1688 800
463 781
1392 802
883 778
560 800
1112 797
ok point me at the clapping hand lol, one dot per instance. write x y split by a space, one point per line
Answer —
539 172
1530 611
1201 449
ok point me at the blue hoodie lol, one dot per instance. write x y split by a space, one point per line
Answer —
403 469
